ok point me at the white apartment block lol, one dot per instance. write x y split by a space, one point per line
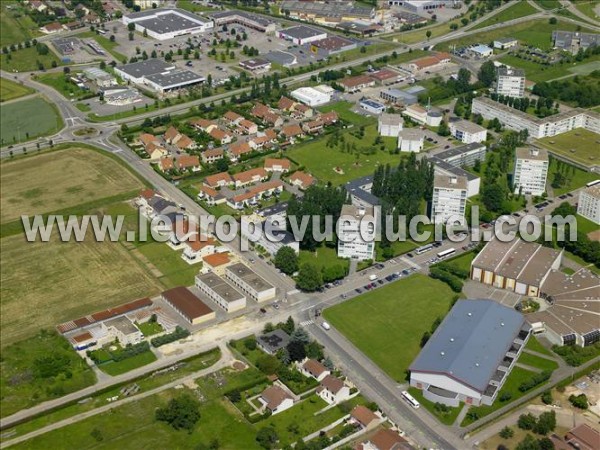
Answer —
531 170
538 128
389 124
351 242
589 203
411 140
449 198
248 282
220 292
510 82
468 132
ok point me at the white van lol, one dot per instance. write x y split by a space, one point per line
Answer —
326 326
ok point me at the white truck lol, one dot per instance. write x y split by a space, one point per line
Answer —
372 277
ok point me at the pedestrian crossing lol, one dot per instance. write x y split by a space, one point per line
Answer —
307 323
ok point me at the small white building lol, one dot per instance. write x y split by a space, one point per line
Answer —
411 140
589 203
424 116
351 242
333 390
275 399
449 198
302 34
124 330
504 43
311 96
389 124
510 82
372 106
467 132
481 51
531 170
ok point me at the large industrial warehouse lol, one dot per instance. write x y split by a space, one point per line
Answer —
163 24
159 75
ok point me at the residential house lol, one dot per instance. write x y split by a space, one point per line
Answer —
302 111
247 127
212 155
231 118
217 262
329 118
152 146
267 115
238 149
124 330
166 164
286 104
211 196
333 390
38 6
290 132
186 143
313 126
204 125
221 136
275 399
189 162
313 368
364 417
250 177
218 180
182 231
277 165
254 194
51 28
386 439
302 179
273 341
172 135
196 249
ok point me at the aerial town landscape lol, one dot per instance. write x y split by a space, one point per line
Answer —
207 132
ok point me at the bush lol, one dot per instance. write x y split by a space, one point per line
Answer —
453 281
545 423
535 380
505 396
506 433
547 398
526 421
456 271
250 343
579 401
574 355
179 333
182 412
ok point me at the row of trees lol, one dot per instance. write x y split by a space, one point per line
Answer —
582 91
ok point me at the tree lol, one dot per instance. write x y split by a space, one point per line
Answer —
289 326
112 38
492 196
296 351
487 73
300 335
267 437
553 21
443 129
234 396
428 34
546 423
506 433
286 260
579 401
547 398
131 36
309 278
250 343
268 364
528 443
182 412
526 421
131 26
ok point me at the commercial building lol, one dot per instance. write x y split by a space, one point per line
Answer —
311 96
471 353
220 292
256 65
481 51
516 265
302 34
100 77
244 18
531 170
326 13
510 82
411 140
424 116
398 97
420 6
247 281
389 124
537 128
331 45
158 75
429 63
449 198
121 96
505 43
356 83
356 232
464 155
163 24
588 205
190 307
467 132
372 106
573 41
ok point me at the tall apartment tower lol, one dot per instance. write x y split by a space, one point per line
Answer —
449 197
350 242
589 203
511 82
531 170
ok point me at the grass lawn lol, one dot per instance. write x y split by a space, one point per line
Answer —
585 225
536 32
548 4
150 328
399 313
538 72
412 37
576 178
582 263
106 43
15 26
446 418
117 368
512 383
518 9
537 361
59 82
462 262
176 272
193 7
26 60
10 90
589 8
343 110
27 119
323 257
580 145
23 385
536 346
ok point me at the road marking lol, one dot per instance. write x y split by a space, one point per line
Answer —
307 323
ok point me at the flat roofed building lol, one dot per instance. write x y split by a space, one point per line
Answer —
411 140
247 19
273 341
516 265
422 5
331 45
510 82
389 124
124 330
165 24
506 42
467 132
100 77
471 353
158 74
359 191
424 116
530 171
190 307
372 106
464 155
302 34
221 292
588 205
449 198
326 13
397 96
481 51
573 41
351 242
256 65
254 286
311 96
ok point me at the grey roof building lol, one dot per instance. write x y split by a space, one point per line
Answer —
158 74
360 191
273 341
471 353
572 41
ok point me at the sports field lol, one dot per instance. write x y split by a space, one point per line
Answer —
580 145
387 324
60 180
26 119
9 90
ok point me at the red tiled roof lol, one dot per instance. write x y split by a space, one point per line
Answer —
332 384
217 259
363 415
248 175
314 367
292 130
358 80
386 439
185 161
272 162
167 164
213 180
171 133
240 148
184 142
304 178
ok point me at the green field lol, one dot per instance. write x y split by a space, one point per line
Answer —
149 328
15 26
589 8
580 145
538 72
576 178
322 257
176 272
27 119
26 60
9 90
548 4
117 368
518 9
22 382
535 345
420 35
398 315
462 262
446 418
193 7
586 226
60 82
537 361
